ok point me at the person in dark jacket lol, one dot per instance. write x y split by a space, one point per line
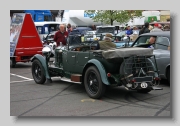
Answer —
61 36
145 29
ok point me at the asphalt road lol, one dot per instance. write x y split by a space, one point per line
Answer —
68 99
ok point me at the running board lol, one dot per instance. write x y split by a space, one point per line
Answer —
76 77
65 80
157 88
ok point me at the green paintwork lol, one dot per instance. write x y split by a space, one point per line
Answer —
69 62
101 69
116 78
43 62
75 62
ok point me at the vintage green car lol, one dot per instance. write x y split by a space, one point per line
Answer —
98 69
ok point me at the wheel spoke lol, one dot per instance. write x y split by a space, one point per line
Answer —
93 83
95 88
37 71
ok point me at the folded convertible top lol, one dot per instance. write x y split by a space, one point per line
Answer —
126 52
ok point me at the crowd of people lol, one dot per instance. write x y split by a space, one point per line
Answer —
62 34
146 28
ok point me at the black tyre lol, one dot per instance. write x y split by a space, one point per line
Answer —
37 72
168 75
143 90
93 83
12 62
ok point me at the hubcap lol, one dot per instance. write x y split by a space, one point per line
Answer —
91 82
36 71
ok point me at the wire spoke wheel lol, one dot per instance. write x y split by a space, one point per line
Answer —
93 83
37 72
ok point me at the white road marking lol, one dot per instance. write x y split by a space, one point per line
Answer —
21 76
29 79
20 81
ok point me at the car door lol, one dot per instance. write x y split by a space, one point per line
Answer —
162 54
71 61
82 59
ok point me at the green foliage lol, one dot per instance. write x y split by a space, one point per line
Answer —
109 16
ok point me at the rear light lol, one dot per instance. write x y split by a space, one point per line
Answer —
18 58
133 80
108 74
157 78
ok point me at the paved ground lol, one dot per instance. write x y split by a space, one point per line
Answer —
67 99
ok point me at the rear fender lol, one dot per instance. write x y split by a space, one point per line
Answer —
100 68
42 60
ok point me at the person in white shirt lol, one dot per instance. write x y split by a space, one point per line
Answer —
156 28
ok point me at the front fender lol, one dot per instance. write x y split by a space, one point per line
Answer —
100 68
43 62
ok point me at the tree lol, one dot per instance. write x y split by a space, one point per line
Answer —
109 16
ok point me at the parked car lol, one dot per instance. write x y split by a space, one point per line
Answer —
161 50
80 30
90 36
97 69
161 23
105 29
120 44
44 28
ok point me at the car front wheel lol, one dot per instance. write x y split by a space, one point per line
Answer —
93 83
37 72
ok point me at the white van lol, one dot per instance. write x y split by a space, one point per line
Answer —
44 28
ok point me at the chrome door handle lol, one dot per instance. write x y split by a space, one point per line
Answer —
73 56
85 57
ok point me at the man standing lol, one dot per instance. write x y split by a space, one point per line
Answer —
145 29
129 31
156 28
61 36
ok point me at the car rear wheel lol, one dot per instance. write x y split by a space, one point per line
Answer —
143 90
12 62
93 83
168 75
37 72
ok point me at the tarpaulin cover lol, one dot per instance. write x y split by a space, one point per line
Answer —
126 52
